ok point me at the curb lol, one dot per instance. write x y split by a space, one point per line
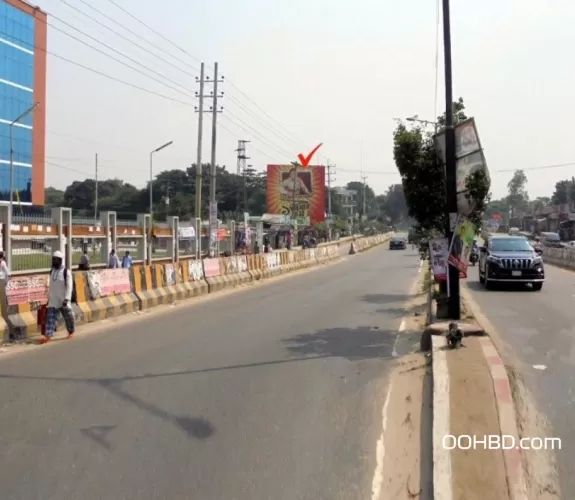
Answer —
442 476
507 420
506 411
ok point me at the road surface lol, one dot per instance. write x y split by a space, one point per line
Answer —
272 392
540 329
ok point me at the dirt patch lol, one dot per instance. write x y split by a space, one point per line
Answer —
407 466
477 473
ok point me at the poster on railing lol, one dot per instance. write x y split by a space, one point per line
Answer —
170 274
196 270
461 244
108 282
438 255
211 268
27 289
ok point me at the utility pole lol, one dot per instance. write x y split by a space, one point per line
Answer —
241 166
246 187
363 179
241 169
454 300
329 174
96 188
200 110
213 203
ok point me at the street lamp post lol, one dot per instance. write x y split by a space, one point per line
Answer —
163 146
8 231
10 129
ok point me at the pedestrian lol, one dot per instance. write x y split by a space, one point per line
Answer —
127 260
113 261
84 261
60 296
4 271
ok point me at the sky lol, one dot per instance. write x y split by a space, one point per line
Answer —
299 73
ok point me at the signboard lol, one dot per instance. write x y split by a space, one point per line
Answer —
26 289
461 247
196 270
438 255
469 158
187 233
301 191
211 267
108 282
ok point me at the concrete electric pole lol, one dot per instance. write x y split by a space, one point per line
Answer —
330 172
200 111
213 203
453 292
363 179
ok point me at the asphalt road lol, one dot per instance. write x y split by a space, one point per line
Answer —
540 329
273 392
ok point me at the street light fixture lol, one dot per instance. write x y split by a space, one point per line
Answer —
10 128
163 146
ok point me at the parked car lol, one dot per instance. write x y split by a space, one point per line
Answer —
552 240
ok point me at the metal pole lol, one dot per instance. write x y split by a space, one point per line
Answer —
454 301
198 200
329 192
96 190
151 186
294 169
213 155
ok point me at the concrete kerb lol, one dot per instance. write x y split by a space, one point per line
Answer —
514 460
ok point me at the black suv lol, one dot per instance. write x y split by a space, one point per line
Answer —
510 259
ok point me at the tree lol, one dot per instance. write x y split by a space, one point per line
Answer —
423 179
518 198
564 192
392 204
53 197
369 196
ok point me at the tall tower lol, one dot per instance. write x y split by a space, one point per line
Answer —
241 167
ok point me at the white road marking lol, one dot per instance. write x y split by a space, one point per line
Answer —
380 451
401 329
420 266
540 367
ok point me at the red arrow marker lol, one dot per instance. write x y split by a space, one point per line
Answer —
304 160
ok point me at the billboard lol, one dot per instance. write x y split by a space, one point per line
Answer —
305 193
469 158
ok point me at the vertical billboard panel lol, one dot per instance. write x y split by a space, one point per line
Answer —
303 193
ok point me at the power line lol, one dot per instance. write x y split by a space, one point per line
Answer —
543 167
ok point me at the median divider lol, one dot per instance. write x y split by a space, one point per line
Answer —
106 293
561 257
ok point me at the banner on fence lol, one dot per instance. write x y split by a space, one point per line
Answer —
211 268
196 270
26 289
108 282
170 274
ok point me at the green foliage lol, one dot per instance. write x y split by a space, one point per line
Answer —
564 192
423 179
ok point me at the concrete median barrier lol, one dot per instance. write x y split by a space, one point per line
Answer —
106 293
562 257
103 294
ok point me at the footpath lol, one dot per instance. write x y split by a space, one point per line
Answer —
109 293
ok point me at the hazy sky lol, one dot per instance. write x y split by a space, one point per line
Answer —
324 71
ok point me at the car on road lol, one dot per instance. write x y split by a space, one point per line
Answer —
510 259
397 243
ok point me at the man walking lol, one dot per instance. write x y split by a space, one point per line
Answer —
60 290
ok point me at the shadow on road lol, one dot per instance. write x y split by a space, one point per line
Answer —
499 287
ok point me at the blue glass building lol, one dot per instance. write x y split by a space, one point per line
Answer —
22 83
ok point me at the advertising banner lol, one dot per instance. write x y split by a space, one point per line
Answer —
301 191
211 267
196 270
170 274
108 282
438 255
461 246
469 157
27 289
